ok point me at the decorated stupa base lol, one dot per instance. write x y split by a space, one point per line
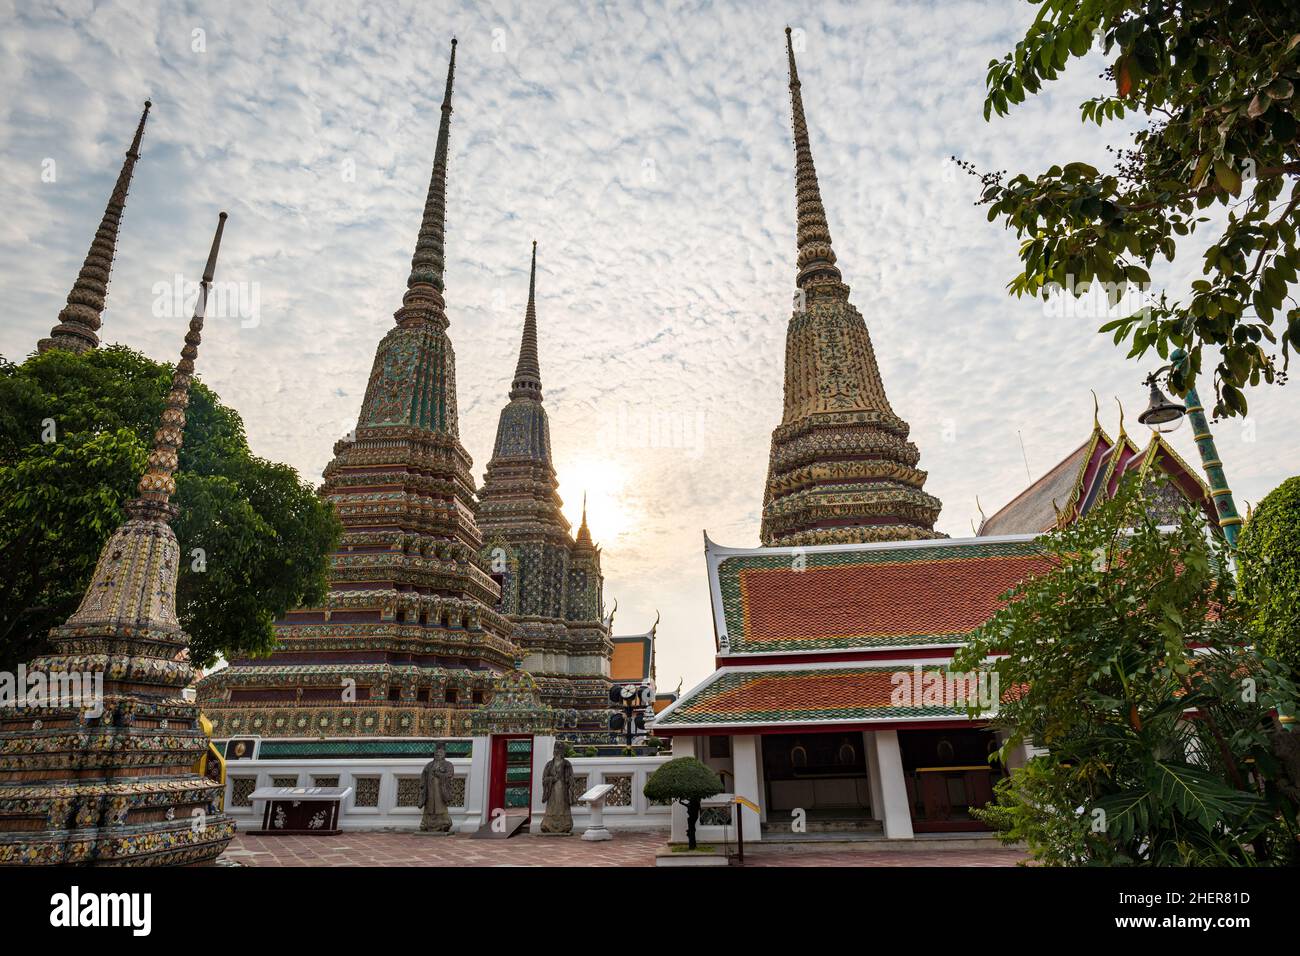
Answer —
104 778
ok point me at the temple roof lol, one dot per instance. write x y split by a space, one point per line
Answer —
812 694
1089 474
631 660
834 598
1036 508
634 656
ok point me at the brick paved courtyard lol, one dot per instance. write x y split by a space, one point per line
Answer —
626 849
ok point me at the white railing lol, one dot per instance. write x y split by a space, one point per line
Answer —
384 792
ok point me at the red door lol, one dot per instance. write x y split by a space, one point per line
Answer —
511 775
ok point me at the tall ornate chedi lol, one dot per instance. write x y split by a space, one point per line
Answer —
550 584
841 467
106 780
78 326
409 641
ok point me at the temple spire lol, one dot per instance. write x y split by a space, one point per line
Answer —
841 469
157 484
79 322
584 533
528 372
423 301
816 261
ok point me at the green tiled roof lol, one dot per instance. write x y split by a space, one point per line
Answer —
803 696
780 600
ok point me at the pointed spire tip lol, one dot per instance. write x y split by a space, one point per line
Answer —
211 268
79 321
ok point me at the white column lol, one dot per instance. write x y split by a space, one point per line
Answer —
476 785
543 751
749 784
873 775
683 746
897 812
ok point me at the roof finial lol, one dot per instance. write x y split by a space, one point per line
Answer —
528 372
1122 433
157 485
79 322
817 271
423 301
1096 411
584 533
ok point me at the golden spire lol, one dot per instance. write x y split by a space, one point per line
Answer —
78 325
816 260
584 533
841 469
423 300
157 484
528 372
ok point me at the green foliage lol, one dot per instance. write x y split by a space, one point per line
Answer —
683 778
1128 667
1218 81
1268 573
265 535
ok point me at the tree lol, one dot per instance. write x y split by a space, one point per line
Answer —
688 781
1217 80
1268 571
75 431
1125 660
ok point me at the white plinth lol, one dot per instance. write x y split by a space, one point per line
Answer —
595 799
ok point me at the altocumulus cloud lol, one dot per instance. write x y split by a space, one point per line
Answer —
647 149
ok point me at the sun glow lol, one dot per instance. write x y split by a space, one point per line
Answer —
609 512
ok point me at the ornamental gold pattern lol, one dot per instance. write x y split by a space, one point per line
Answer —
841 468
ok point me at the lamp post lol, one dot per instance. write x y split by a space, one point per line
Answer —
633 699
1161 411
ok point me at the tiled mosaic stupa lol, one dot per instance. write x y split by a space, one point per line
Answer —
841 467
409 642
78 327
109 782
550 583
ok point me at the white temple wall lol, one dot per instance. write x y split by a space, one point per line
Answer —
393 787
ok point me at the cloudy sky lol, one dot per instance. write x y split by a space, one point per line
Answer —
648 151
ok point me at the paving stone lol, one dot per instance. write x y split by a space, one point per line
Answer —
626 849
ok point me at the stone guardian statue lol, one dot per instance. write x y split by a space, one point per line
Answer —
557 792
435 793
